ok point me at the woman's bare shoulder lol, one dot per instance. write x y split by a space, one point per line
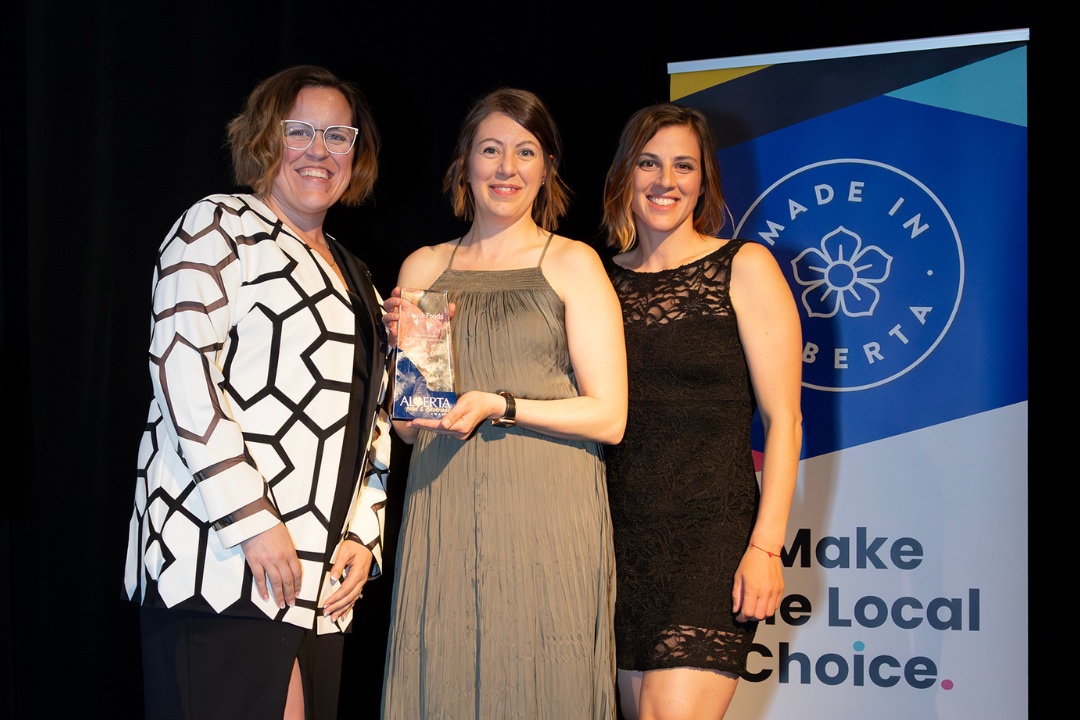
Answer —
574 266
424 264
754 256
568 250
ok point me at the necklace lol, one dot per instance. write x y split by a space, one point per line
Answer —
324 251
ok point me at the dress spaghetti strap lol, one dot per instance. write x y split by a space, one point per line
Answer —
541 260
450 263
453 252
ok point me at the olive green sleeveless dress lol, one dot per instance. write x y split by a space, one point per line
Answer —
504 585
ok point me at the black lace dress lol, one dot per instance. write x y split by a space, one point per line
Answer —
681 484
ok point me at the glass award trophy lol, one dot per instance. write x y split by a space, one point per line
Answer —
423 365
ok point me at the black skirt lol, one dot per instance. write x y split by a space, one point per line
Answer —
200 666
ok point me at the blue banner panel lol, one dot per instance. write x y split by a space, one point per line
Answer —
905 249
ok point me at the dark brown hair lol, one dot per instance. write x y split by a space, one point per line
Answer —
255 138
529 111
710 212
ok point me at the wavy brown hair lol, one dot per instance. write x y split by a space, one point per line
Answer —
710 212
255 137
529 112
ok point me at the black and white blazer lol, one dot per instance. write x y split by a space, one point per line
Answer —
269 380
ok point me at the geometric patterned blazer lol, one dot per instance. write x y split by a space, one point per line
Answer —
269 380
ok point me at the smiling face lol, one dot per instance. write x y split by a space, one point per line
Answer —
668 181
505 169
310 181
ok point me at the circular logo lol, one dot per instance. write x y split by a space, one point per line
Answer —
875 264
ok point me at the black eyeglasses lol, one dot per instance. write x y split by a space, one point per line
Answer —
299 135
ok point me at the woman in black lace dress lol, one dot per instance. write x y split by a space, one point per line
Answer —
712 333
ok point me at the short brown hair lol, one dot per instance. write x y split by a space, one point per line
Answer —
255 139
530 112
710 212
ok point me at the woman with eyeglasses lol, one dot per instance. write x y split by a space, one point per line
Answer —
258 513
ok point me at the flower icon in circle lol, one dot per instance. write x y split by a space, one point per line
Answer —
841 275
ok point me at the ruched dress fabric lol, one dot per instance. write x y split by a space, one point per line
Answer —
504 586
682 483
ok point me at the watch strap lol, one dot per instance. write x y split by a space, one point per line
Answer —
509 416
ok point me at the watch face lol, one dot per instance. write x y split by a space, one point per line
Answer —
504 423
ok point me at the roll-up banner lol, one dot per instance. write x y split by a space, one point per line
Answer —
890 182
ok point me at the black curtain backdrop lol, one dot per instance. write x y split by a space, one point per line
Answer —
112 122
